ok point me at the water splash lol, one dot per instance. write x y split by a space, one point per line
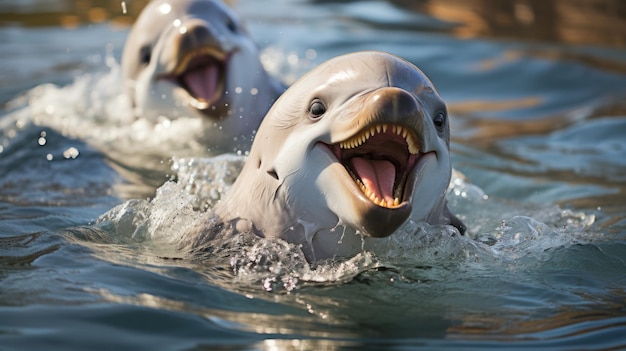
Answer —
287 65
273 265
96 110
207 179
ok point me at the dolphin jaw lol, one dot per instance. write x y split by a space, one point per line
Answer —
380 160
201 73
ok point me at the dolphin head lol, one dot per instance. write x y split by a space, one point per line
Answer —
195 58
362 141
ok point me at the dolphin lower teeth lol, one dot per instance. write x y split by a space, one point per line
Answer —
372 196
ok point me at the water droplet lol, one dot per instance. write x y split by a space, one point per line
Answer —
41 141
254 91
238 90
72 153
165 8
267 284
293 59
49 157
310 54
124 7
177 23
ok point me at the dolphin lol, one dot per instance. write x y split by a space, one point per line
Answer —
348 153
195 58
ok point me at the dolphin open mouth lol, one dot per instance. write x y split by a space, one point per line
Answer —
380 159
202 73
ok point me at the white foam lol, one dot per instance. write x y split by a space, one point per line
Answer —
95 109
503 241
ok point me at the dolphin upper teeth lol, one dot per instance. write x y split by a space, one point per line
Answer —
360 138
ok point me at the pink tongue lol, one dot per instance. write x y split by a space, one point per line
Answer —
377 175
202 82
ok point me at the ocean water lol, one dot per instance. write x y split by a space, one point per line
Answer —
93 201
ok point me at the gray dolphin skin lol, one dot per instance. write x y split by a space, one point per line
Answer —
194 58
348 153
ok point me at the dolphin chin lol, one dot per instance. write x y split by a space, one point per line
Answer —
194 59
360 142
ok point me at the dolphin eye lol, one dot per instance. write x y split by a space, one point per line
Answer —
145 54
232 26
439 120
317 109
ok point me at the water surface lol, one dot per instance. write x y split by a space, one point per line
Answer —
88 229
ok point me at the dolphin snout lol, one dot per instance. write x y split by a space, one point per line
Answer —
195 34
393 104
